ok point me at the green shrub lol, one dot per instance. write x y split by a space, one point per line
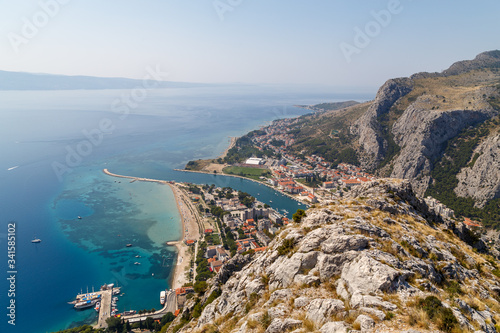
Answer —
266 320
447 321
437 313
298 215
453 288
286 247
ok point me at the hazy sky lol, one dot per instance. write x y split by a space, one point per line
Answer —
326 42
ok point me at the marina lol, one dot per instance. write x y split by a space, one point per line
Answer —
102 301
105 302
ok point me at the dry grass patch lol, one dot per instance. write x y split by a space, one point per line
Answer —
417 318
356 326
351 317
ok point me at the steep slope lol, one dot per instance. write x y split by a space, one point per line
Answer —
407 130
380 259
481 178
373 144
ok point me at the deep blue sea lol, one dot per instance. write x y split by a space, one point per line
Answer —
53 147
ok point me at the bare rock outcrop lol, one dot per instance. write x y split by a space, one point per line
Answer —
482 180
421 134
367 126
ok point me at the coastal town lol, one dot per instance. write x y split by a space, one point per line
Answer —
220 222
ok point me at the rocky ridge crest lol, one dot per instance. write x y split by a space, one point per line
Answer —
368 262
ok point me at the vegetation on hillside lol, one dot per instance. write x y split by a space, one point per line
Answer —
457 155
327 135
333 106
244 149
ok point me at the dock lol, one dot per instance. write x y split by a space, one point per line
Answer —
105 309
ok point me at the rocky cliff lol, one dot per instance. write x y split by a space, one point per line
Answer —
417 123
481 180
422 113
373 144
378 260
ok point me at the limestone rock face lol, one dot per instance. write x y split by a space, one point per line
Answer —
366 322
334 327
366 275
482 180
319 310
421 134
279 325
367 126
422 124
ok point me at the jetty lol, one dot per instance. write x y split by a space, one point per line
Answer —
106 171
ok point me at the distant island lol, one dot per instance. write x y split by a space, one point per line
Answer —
32 81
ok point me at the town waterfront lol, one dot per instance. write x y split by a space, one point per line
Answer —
39 130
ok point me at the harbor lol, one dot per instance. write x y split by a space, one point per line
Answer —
102 300
105 304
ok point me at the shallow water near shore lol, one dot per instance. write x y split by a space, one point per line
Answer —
169 128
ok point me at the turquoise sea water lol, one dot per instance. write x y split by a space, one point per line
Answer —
39 130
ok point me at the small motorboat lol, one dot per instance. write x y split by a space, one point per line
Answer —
128 245
137 263
36 240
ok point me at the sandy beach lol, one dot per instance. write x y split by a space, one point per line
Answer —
191 226
190 230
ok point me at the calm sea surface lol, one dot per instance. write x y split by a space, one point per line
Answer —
56 144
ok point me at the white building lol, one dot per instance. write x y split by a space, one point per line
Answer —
255 161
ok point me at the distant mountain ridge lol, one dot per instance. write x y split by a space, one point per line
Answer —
31 81
439 130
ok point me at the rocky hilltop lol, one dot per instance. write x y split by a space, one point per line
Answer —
379 259
418 115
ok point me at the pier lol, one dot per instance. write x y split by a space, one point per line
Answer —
135 178
105 309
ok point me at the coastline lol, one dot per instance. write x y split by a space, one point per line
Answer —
242 177
190 228
232 142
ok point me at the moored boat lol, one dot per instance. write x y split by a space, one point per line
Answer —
162 297
85 304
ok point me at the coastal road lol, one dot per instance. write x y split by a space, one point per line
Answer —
170 306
